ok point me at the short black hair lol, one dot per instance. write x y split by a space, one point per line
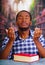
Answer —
24 11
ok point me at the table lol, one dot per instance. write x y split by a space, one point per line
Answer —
11 62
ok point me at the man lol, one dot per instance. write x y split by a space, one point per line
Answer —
26 41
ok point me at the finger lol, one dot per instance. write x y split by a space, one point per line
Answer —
36 29
11 28
6 31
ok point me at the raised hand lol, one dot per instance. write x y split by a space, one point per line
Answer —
37 33
11 34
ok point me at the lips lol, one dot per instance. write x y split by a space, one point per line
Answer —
24 24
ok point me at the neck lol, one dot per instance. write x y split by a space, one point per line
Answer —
24 34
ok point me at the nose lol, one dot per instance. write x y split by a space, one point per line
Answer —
24 19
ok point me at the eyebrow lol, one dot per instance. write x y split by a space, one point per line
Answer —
21 15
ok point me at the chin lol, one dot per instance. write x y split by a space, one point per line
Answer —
23 28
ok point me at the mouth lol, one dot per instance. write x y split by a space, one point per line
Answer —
24 24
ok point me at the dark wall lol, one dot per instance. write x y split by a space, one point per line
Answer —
0 5
44 3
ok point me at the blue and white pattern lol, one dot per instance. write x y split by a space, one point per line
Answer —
23 45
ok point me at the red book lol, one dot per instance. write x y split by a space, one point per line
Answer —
26 57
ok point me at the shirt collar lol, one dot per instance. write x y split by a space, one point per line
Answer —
30 34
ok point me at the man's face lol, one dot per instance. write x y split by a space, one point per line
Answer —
23 20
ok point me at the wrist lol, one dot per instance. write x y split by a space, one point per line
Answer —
35 39
11 41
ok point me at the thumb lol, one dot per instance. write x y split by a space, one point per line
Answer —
6 31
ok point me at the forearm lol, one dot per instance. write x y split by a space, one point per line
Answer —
40 48
6 51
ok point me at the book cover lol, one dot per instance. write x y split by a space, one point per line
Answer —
26 57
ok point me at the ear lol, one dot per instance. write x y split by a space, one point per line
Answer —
30 23
16 23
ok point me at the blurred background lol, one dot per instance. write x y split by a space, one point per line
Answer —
9 9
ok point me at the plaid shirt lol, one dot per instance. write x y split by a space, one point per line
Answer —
23 45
